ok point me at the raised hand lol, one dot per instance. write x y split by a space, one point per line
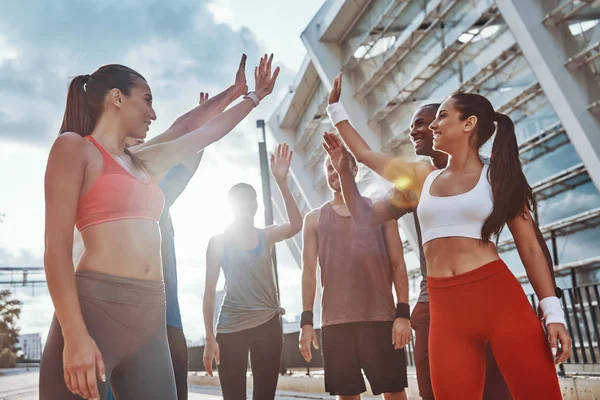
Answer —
280 162
336 91
203 97
265 82
240 85
340 158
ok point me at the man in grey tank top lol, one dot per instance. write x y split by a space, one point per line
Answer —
249 321
362 329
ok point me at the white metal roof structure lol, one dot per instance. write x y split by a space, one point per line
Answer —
536 60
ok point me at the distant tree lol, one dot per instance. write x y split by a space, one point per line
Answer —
10 311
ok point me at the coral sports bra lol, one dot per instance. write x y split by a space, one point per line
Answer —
117 194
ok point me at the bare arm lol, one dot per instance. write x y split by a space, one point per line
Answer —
363 212
546 251
396 255
214 255
388 167
310 253
401 331
536 265
177 178
193 162
63 182
530 251
201 114
163 156
309 260
280 164
65 172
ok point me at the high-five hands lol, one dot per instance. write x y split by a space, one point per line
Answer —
241 86
336 91
280 162
264 80
340 157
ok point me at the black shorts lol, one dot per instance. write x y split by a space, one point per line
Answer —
367 346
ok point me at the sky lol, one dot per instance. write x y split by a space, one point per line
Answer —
182 47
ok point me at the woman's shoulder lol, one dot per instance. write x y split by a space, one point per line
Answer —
69 150
68 140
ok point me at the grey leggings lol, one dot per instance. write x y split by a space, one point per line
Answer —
126 319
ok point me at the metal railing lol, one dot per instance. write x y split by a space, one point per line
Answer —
583 317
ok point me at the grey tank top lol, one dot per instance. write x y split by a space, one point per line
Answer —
250 290
356 273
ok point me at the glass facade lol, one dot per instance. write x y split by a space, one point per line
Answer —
397 56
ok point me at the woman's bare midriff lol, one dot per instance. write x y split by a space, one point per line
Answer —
453 256
128 248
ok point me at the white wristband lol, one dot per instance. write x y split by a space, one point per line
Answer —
252 96
553 313
336 113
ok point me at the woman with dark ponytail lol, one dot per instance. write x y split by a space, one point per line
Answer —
109 323
474 298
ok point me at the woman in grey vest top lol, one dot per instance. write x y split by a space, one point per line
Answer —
250 316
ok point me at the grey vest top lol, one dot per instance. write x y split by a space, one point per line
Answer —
250 289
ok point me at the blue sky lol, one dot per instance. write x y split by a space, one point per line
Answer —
182 47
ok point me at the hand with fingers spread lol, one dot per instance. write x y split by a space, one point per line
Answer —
203 97
308 336
280 162
557 333
211 352
241 86
336 91
401 333
83 366
264 80
340 157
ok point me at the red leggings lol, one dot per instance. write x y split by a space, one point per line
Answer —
487 305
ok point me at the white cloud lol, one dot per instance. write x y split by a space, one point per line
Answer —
569 203
221 11
181 49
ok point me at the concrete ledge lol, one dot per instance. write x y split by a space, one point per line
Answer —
574 387
579 387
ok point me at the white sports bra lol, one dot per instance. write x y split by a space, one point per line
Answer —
461 215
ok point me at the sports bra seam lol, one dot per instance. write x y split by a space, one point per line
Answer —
115 219
454 196
103 152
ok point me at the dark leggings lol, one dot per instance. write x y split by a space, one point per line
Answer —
178 348
126 318
265 344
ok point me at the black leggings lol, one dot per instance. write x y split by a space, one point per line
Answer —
265 344
179 356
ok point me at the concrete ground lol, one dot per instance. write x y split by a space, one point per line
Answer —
21 384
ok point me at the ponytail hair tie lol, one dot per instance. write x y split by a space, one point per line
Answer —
86 79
